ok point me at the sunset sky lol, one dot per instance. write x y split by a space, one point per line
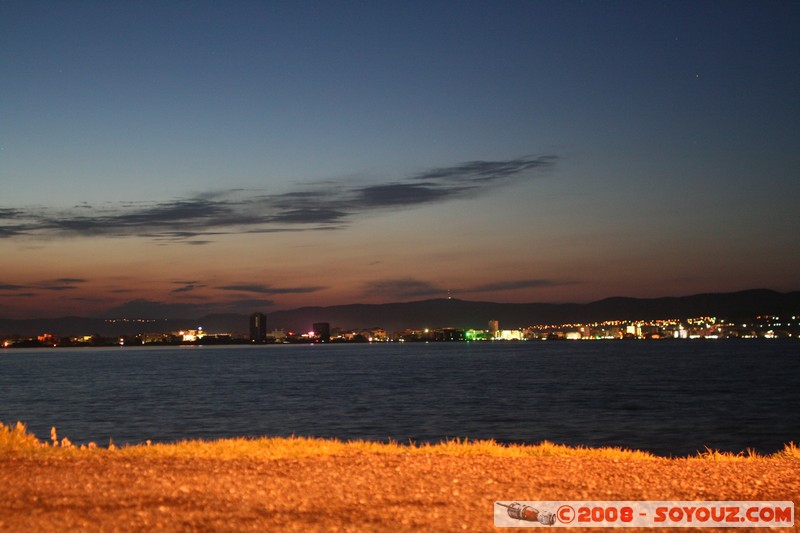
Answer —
180 158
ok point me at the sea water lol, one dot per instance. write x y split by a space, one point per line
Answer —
668 397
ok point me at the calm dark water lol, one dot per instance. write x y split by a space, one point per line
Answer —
672 398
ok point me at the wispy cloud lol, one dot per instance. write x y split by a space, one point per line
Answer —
266 289
476 172
187 286
60 284
321 206
403 195
70 280
10 287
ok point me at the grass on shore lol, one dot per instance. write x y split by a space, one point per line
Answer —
18 442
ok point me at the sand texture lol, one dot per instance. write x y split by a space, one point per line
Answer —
360 492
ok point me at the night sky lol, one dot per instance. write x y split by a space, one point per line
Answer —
179 158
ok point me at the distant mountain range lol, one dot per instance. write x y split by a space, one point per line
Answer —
438 313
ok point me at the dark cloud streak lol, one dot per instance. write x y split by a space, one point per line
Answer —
403 194
481 172
189 287
60 284
11 287
324 206
266 289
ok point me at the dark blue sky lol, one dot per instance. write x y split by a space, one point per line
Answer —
272 154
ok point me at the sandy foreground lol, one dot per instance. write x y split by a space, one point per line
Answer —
359 492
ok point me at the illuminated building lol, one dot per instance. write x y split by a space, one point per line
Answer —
258 327
509 335
278 334
192 335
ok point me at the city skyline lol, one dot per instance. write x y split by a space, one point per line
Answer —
262 156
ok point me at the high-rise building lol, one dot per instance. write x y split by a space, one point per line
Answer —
322 331
258 327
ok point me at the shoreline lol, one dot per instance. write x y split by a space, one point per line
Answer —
114 343
300 484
